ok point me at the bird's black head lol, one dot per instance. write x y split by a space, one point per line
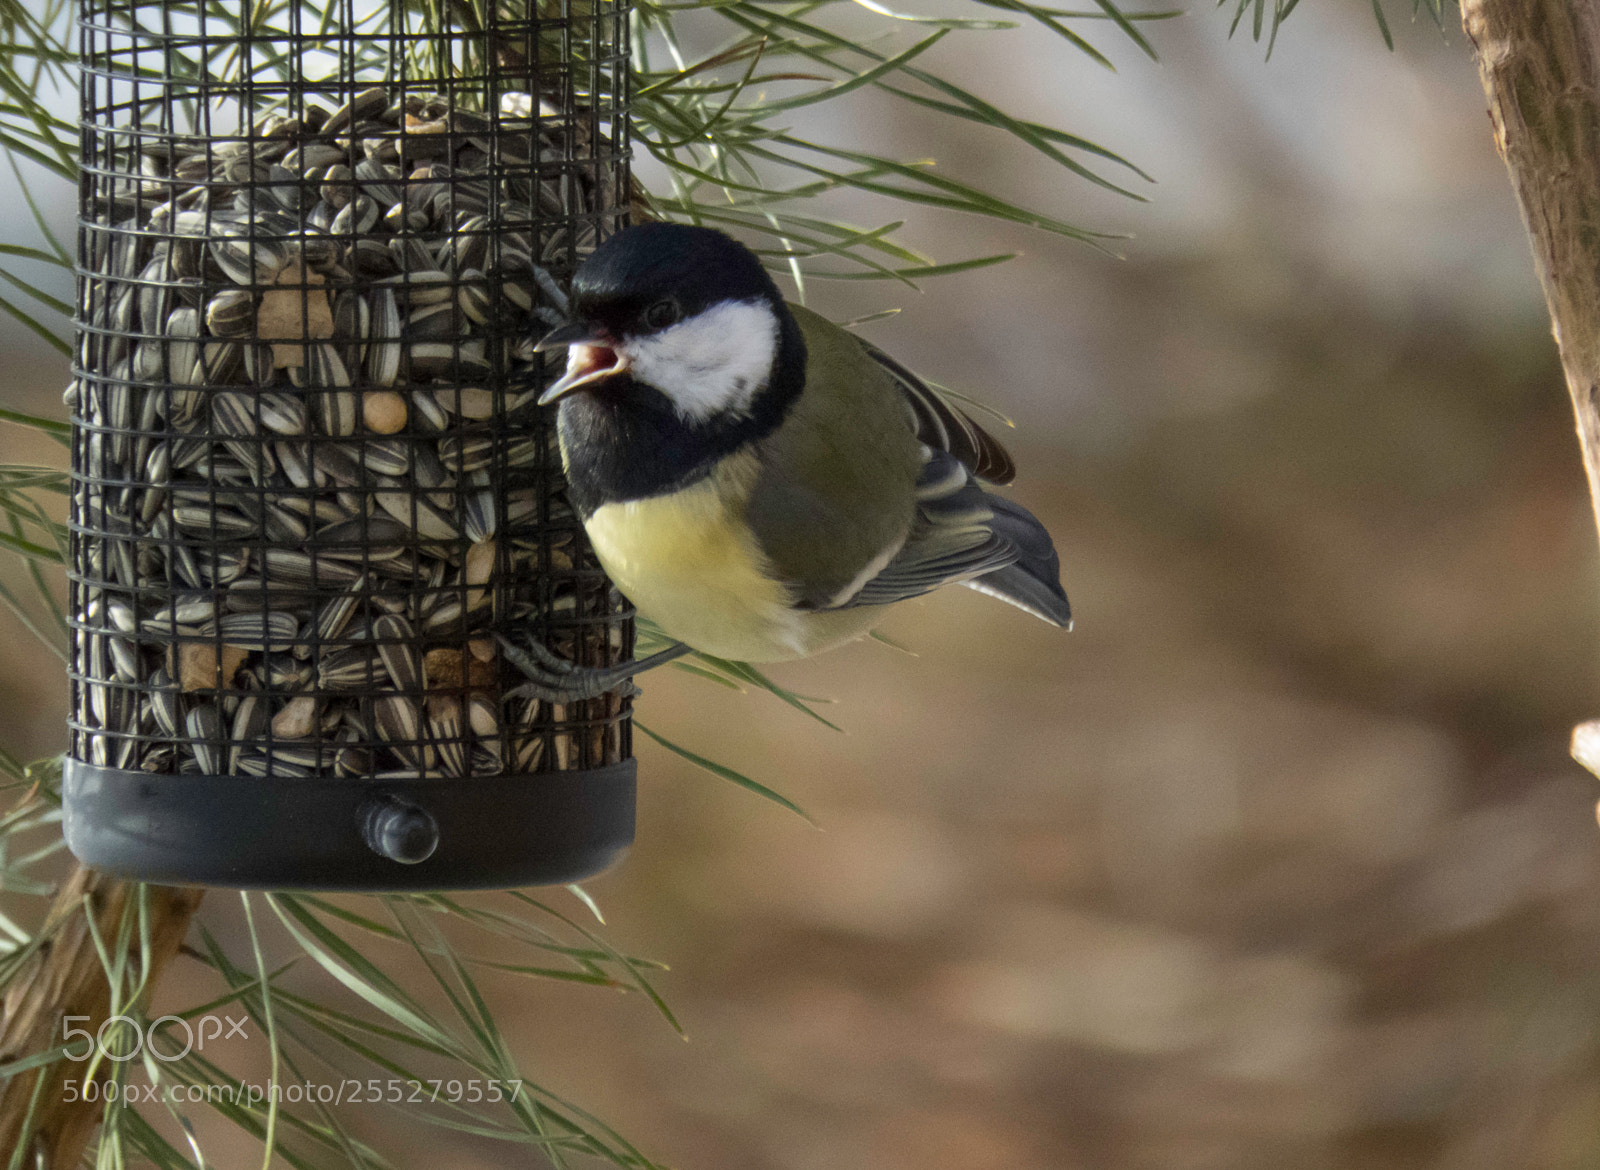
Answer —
685 311
654 275
680 351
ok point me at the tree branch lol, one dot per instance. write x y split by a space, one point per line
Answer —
1540 65
65 977
1539 61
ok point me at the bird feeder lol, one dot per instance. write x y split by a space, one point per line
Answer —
313 494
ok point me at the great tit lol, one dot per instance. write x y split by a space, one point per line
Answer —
759 482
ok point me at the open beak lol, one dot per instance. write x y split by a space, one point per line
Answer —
590 357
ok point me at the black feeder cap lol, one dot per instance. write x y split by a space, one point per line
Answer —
490 832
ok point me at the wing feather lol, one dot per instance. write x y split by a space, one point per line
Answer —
944 426
951 539
960 533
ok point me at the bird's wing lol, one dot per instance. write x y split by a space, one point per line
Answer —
964 535
950 540
944 426
869 492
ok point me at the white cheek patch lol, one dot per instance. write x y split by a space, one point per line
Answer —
714 362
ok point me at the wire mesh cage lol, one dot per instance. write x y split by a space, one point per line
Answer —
312 491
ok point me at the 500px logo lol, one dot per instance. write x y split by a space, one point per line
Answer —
117 1028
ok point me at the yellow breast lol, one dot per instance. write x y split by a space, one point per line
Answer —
687 561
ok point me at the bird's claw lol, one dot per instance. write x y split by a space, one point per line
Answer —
532 690
553 679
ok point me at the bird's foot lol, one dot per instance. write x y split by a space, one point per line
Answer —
555 680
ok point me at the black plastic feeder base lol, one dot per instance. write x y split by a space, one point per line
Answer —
493 832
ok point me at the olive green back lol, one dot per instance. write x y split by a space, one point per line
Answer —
836 492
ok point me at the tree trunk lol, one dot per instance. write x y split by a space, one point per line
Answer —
65 978
1539 61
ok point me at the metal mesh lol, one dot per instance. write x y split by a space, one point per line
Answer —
311 486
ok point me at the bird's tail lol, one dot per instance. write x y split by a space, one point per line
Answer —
1032 582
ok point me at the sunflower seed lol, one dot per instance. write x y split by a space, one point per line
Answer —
295 459
336 614
429 473
254 763
166 707
234 415
423 286
219 363
217 566
337 407
179 556
398 723
183 346
302 759
372 258
259 631
321 216
426 409
336 186
384 350
433 322
387 456
120 613
249 261
528 751
336 461
221 520
231 313
397 648
313 154
412 255
433 359
249 723
469 248
293 567
485 723
158 470
155 293
465 452
352 323
282 413
377 179
353 668
519 293
364 105
283 525
204 728
124 659
377 537
179 613
477 305
445 733
426 518
356 218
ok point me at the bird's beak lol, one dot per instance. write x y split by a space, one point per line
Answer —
590 357
573 331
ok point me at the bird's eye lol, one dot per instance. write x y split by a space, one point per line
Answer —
662 314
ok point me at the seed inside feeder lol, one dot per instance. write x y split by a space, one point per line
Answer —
383 411
201 668
299 312
302 389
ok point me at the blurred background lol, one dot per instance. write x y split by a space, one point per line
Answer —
1276 860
